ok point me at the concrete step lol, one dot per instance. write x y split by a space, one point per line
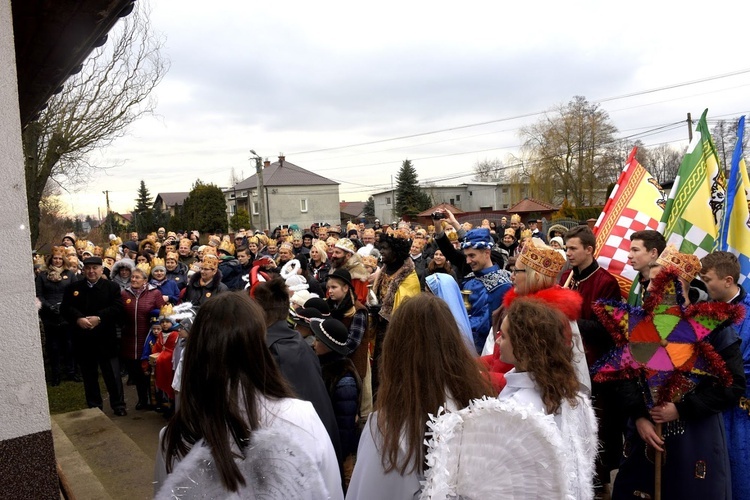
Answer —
92 445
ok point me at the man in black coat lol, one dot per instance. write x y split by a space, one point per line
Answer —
93 306
297 361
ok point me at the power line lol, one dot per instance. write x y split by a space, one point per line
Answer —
527 115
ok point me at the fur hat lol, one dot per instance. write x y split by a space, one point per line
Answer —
688 266
346 245
541 258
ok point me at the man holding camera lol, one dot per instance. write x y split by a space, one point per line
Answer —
483 280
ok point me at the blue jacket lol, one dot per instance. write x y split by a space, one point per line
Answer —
487 287
169 288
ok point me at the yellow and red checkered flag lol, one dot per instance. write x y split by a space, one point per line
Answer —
636 203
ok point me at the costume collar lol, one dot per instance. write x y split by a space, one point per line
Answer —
519 380
580 275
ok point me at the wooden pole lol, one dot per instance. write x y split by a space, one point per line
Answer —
567 281
690 127
658 458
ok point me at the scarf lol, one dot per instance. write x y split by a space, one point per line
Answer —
54 274
391 283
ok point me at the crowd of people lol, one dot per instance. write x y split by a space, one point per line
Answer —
331 350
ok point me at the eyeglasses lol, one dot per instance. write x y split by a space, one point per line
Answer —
517 271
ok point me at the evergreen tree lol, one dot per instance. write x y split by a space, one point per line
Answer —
410 199
143 215
240 220
205 208
369 209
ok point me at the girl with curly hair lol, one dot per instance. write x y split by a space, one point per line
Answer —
535 338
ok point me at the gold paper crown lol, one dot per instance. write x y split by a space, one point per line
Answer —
214 240
110 253
688 266
186 241
81 244
209 250
368 232
210 261
157 261
98 251
58 251
227 247
89 247
145 268
286 245
370 260
510 232
271 242
515 218
165 311
115 242
39 260
297 234
173 255
526 233
452 236
543 260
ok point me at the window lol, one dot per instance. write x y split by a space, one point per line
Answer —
458 197
256 208
452 201
244 194
303 205
231 196
505 190
388 200
233 209
505 205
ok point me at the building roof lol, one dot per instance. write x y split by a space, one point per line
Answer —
354 208
171 199
450 207
53 39
285 174
528 205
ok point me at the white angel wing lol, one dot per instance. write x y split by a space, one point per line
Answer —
495 449
276 467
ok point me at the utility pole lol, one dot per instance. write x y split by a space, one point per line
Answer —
690 127
109 219
261 197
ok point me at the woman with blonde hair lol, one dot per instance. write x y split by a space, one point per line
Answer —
425 365
319 265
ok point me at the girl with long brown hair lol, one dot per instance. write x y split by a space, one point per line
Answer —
425 365
239 429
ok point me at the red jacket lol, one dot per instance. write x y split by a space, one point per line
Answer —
137 319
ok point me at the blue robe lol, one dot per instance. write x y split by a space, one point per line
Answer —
736 419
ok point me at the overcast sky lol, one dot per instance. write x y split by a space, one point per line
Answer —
294 77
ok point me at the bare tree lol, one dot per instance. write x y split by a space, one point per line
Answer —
663 161
724 135
488 170
95 107
573 148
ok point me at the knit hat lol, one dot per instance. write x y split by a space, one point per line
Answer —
688 266
541 258
478 238
332 332
346 245
71 237
559 241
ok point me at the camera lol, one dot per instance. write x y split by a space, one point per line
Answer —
439 215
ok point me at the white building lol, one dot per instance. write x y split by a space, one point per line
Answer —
293 195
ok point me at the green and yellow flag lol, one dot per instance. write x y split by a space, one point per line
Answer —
695 206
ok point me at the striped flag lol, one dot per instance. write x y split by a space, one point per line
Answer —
636 203
695 205
734 234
